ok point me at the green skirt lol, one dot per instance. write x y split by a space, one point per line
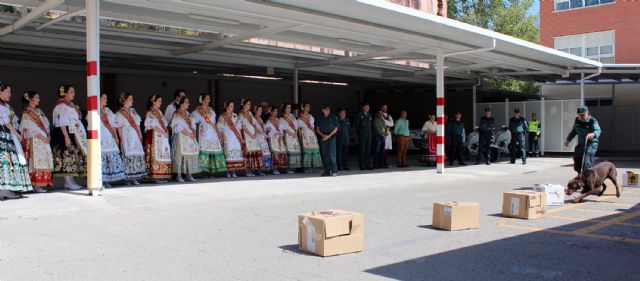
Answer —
213 162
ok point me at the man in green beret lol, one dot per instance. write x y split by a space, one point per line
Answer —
326 128
587 129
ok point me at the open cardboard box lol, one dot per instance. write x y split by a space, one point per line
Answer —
331 232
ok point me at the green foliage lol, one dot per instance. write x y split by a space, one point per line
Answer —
505 16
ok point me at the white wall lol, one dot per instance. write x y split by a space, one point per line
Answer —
627 94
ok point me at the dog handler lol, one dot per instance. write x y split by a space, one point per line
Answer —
587 129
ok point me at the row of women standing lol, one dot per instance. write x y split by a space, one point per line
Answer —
183 144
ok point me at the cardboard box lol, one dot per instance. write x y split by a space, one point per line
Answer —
524 204
611 187
631 179
555 193
456 215
331 232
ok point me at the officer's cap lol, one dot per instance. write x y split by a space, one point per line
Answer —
487 109
583 110
517 110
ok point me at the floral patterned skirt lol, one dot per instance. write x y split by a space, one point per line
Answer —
156 169
112 167
39 177
13 175
213 162
135 167
67 161
311 158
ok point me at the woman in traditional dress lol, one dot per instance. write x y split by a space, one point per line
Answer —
135 165
262 139
14 175
35 142
310 149
230 128
252 149
275 136
156 141
68 139
185 153
289 126
428 151
211 154
112 164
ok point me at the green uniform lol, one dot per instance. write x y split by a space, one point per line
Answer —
342 143
328 147
518 127
535 130
581 129
486 129
363 131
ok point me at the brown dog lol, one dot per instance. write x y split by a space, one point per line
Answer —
591 181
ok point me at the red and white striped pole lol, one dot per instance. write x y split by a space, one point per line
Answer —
440 153
94 157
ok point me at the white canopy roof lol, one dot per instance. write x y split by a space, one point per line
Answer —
371 39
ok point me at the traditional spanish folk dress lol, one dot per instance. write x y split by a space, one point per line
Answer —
135 165
158 150
264 144
112 163
14 175
185 153
276 143
230 127
310 149
68 161
211 154
252 149
35 126
289 126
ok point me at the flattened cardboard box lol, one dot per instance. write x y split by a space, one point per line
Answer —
611 187
524 204
331 232
456 215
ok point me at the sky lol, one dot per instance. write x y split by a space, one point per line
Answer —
535 9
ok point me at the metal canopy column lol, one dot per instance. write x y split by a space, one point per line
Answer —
94 155
581 89
296 87
440 155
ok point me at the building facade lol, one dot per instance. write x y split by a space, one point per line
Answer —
438 7
603 30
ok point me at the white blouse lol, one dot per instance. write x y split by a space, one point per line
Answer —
151 122
65 115
429 127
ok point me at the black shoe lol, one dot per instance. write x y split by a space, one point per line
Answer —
477 162
463 164
524 162
369 168
346 169
487 163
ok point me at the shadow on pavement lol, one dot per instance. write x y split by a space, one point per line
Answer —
610 250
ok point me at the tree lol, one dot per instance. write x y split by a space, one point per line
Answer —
505 16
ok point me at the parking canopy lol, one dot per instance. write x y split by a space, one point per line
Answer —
357 38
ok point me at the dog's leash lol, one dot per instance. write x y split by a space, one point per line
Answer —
584 153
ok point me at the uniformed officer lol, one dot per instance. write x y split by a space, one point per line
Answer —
535 130
363 131
326 128
456 135
342 140
517 127
486 130
587 129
